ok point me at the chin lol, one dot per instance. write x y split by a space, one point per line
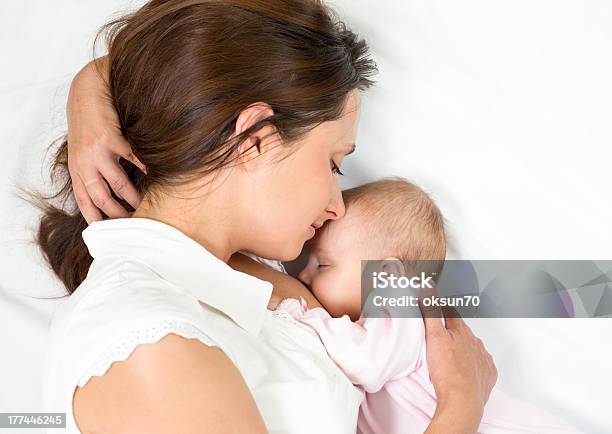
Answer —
286 249
290 254
281 253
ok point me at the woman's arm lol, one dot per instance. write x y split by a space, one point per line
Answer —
95 144
284 285
176 385
461 370
454 418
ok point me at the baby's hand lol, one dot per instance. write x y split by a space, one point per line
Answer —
274 301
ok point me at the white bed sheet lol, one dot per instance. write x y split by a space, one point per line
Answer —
500 109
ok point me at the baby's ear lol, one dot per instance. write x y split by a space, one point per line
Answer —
393 265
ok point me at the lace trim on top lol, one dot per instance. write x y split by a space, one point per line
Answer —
287 304
282 314
147 334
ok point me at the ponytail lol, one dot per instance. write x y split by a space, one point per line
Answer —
59 234
59 237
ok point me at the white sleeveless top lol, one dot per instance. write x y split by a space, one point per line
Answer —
147 280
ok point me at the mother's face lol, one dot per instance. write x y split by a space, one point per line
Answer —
292 197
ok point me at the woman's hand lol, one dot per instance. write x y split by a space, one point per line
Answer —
95 145
462 372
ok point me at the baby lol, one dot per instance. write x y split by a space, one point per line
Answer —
388 219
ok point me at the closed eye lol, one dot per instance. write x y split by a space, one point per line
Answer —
335 168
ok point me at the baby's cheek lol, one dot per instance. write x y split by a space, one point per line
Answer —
335 296
317 289
355 304
322 287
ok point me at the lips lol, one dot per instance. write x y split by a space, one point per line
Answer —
313 227
312 231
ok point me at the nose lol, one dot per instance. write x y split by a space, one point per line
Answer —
335 209
304 277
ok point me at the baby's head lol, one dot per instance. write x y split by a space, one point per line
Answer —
387 219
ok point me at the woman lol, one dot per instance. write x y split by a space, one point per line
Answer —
239 114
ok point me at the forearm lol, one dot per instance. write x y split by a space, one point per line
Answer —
455 416
94 75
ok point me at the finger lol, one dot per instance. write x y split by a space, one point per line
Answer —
452 318
99 193
432 315
494 371
86 206
123 149
120 183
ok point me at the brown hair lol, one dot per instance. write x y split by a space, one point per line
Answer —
180 73
407 222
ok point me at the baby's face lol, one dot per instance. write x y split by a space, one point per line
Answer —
333 271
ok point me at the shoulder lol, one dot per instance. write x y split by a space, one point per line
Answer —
122 297
133 346
121 293
173 385
120 306
115 298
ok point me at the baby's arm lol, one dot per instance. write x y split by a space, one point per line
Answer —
371 351
283 285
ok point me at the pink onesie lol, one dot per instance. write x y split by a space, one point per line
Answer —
385 357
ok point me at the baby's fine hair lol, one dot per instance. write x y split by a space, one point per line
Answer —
398 219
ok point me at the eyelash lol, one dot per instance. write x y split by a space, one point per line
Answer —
336 169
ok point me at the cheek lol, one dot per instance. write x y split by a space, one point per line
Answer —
286 210
310 187
322 289
351 289
297 193
354 301
294 195
330 289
